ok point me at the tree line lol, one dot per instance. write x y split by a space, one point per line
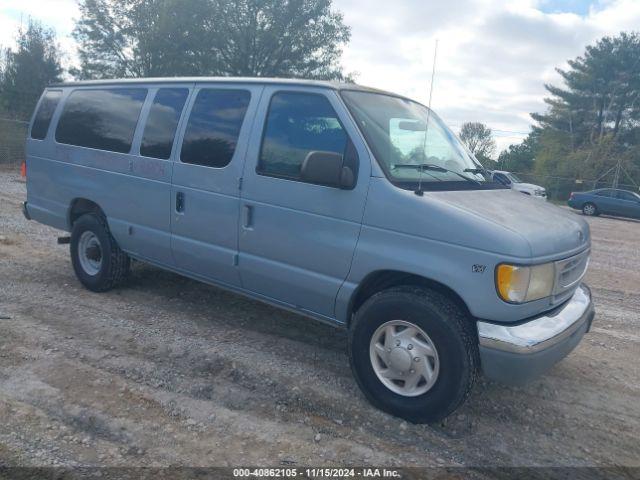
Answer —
27 69
591 123
152 38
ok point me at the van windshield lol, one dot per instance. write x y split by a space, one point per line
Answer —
408 149
513 178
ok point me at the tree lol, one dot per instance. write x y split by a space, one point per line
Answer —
520 157
601 93
28 69
142 38
593 120
479 140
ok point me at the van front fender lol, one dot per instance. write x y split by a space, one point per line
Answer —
468 273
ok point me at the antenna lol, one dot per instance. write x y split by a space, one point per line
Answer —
426 128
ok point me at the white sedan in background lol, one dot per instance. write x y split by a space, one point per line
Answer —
512 181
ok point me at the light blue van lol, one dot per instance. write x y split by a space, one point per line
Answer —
346 204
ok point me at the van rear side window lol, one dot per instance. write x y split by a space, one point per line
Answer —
214 126
45 113
105 119
162 122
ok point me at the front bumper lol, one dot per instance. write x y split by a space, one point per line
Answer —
515 354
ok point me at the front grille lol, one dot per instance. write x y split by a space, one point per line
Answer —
569 273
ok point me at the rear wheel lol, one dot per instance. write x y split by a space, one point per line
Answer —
414 353
589 209
97 260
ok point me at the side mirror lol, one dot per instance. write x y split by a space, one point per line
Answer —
327 168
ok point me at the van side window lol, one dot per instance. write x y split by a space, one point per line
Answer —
105 119
298 123
214 126
162 122
45 113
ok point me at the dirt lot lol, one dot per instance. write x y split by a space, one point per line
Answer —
168 371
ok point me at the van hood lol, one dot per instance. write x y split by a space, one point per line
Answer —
549 230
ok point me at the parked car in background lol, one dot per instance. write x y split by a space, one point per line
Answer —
610 201
510 180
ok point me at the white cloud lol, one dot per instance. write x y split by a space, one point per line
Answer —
8 27
59 15
494 56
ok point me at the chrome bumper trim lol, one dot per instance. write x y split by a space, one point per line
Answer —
541 332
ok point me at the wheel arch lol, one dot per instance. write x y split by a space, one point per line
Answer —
380 280
78 207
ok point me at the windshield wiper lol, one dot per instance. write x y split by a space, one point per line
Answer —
434 168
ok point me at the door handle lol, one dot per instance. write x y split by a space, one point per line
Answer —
247 217
179 202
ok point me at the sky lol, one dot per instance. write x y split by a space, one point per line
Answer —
493 57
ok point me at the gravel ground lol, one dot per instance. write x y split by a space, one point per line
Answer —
168 371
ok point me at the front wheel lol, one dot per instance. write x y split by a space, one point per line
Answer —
414 353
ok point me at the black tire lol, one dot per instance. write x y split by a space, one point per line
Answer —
114 265
590 209
451 332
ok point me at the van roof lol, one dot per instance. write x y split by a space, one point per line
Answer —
256 80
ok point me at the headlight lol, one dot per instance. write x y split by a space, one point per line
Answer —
519 284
